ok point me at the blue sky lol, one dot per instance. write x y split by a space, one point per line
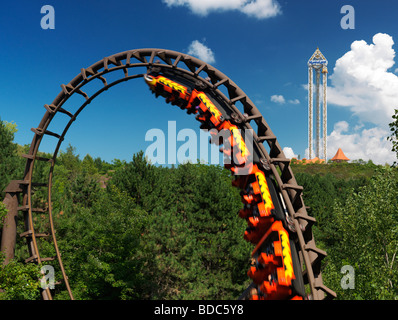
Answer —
266 56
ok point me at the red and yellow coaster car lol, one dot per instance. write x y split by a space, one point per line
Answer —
174 92
273 270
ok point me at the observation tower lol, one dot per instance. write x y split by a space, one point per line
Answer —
317 64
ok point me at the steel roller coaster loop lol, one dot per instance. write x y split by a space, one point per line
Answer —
286 264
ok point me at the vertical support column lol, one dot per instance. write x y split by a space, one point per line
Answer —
9 234
318 115
310 108
325 115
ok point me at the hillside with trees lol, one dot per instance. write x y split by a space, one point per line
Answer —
131 230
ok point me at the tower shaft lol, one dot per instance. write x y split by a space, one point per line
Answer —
325 116
318 63
318 114
310 108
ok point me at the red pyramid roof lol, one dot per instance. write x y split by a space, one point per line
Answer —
340 156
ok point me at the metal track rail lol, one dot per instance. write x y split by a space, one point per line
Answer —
243 112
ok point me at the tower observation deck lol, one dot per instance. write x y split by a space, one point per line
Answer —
317 64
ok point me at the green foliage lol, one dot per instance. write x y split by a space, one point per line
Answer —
131 230
18 281
8 156
83 189
320 193
137 178
69 160
366 226
88 165
357 224
99 244
102 166
344 170
194 246
11 127
3 213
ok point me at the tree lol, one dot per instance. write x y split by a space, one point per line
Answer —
367 225
8 156
89 166
99 244
194 244
394 133
320 194
70 160
84 189
18 281
137 178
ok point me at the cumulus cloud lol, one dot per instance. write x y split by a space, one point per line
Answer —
260 9
362 82
278 99
294 101
289 153
201 51
359 143
368 144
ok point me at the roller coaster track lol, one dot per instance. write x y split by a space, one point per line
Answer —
239 110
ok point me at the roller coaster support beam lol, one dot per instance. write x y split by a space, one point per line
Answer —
9 233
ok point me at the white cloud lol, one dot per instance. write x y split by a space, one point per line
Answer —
294 101
278 99
289 153
361 81
260 9
202 52
368 144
